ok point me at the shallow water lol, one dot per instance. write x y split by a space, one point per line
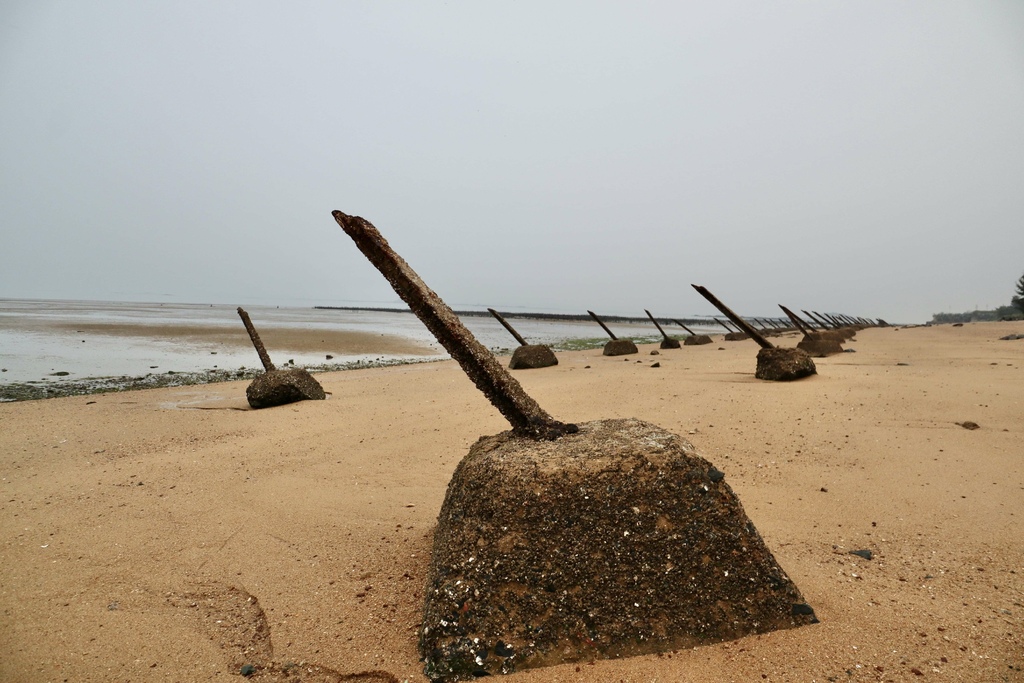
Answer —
39 338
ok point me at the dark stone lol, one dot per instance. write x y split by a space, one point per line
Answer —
783 364
736 336
969 425
697 340
670 343
655 365
655 352
866 554
620 347
1011 337
279 387
60 373
532 356
805 610
248 670
849 350
958 324
611 542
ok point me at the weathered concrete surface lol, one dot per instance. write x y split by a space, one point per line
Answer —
736 336
620 347
279 387
697 340
670 343
532 356
783 364
616 541
820 345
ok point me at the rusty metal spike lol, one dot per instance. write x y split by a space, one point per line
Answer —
256 341
727 328
498 385
522 342
688 330
796 320
820 319
738 321
603 326
834 320
811 316
656 324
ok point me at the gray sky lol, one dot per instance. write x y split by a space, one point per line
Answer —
864 157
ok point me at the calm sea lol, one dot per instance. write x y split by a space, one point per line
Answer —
38 338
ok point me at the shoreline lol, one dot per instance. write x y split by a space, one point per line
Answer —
59 387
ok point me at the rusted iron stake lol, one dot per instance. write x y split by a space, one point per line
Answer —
727 328
796 320
688 330
256 341
656 324
498 385
522 342
820 319
736 320
815 319
603 326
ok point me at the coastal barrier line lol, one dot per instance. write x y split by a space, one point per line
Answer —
572 317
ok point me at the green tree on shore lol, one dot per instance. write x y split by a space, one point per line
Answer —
1018 300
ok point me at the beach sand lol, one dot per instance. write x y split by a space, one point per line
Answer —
150 535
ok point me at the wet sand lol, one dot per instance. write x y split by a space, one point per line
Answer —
174 534
280 339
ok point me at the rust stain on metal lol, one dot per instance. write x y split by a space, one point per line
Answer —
498 385
256 341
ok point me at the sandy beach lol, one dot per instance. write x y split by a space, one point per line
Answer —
176 535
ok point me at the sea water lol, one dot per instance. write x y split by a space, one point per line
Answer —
38 337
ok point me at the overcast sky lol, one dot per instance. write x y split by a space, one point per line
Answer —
860 157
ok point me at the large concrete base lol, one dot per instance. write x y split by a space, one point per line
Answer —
819 346
532 356
620 347
736 336
784 365
280 387
669 343
616 541
697 340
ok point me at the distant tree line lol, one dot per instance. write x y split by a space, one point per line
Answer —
1015 311
1001 313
